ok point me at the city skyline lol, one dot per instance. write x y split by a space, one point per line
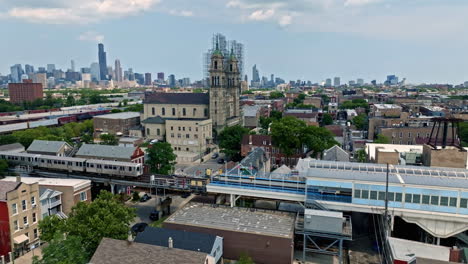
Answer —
414 47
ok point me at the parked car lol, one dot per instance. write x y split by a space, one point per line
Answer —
139 227
185 195
145 198
154 215
220 161
215 156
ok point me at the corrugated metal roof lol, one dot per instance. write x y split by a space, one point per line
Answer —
105 151
46 146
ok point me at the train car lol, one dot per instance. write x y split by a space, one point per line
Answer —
116 168
20 158
47 122
61 163
66 119
13 127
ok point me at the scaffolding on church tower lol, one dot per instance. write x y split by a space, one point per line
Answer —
225 47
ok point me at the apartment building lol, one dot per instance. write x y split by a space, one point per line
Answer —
72 191
19 216
116 124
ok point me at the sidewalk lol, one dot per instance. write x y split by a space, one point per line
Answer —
28 257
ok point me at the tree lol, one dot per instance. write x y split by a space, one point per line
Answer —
355 103
287 134
161 158
50 226
69 250
381 139
230 141
109 139
7 139
327 119
115 110
70 100
361 156
3 167
276 95
463 133
360 121
291 134
277 115
245 259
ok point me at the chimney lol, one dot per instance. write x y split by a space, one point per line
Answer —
18 178
250 139
170 243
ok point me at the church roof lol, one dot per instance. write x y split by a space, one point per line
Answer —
178 98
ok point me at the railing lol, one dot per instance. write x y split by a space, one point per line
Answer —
55 203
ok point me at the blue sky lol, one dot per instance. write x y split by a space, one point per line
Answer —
422 40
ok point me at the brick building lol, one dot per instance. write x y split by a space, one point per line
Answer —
250 142
25 92
117 124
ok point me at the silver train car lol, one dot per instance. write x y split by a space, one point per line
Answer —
70 164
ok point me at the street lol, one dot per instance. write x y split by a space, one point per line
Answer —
199 168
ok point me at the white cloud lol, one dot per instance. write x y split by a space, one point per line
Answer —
91 36
285 20
261 15
360 2
84 11
183 13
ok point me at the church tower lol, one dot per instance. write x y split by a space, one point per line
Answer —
224 90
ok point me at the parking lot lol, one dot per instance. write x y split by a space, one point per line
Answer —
198 169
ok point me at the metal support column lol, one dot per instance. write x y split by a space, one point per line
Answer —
112 186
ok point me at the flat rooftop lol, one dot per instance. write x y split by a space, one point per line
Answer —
237 219
75 183
376 173
123 115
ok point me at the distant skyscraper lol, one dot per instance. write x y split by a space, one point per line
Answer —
148 80
72 65
225 48
336 81
161 77
50 68
255 76
391 80
118 71
102 62
16 71
328 82
28 69
95 71
172 80
360 82
110 73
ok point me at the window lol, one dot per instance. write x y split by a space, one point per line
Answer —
463 203
179 128
158 132
444 201
216 65
409 134
24 204
15 225
33 200
163 111
153 112
147 131
435 200
426 199
83 196
25 220
194 112
14 209
416 198
230 67
357 193
453 202
187 135
382 196
172 135
391 196
398 197
401 134
34 217
206 111
373 195
408 198
184 112
173 111
172 128
35 233
364 193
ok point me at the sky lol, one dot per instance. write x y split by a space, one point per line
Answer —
425 41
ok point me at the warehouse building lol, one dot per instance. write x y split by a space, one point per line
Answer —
266 236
